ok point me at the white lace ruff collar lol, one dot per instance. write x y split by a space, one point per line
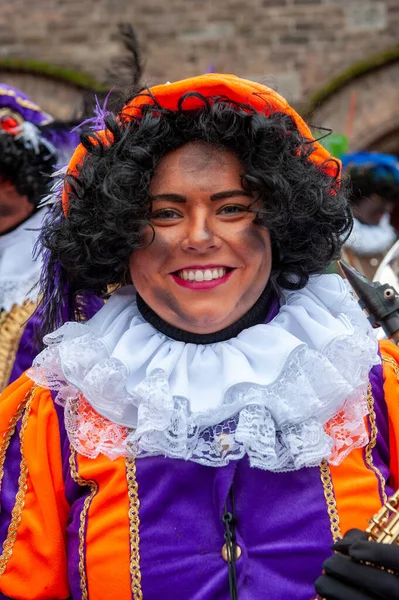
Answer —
288 394
19 273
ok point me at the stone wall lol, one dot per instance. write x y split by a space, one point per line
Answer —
367 110
296 45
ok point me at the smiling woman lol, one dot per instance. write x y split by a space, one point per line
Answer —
267 152
208 262
205 436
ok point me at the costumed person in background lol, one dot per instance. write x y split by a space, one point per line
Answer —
374 179
223 419
31 143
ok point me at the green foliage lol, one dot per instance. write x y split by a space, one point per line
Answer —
76 78
336 144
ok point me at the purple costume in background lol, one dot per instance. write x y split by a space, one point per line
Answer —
26 350
25 131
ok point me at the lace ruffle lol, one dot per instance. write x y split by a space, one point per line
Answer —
308 403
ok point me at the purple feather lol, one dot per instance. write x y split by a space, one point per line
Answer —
97 122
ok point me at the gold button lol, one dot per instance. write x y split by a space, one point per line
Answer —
225 554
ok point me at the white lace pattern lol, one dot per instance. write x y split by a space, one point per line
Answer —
287 394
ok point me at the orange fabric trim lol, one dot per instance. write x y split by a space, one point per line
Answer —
350 478
110 505
260 97
390 356
22 415
37 568
356 475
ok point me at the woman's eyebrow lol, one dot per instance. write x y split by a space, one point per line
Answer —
230 194
170 197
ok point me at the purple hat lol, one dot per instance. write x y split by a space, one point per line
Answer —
15 100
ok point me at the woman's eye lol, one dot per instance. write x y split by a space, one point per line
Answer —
232 209
165 213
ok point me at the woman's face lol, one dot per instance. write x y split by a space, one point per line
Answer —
209 262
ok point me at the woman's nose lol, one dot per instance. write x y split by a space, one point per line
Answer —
200 235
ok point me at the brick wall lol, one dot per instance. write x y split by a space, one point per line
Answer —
301 43
294 45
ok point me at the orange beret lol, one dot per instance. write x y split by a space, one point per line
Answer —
211 85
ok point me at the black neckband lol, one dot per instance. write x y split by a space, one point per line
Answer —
255 316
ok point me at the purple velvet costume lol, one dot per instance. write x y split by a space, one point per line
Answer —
283 525
27 349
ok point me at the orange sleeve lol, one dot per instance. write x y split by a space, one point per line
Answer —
34 509
390 358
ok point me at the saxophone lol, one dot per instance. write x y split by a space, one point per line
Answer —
381 303
384 525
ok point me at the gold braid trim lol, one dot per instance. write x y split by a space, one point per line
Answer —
16 513
83 518
21 101
11 331
373 440
392 362
9 432
134 525
326 480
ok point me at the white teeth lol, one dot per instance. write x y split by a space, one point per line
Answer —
199 275
204 275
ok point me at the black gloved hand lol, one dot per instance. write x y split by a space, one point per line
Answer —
345 577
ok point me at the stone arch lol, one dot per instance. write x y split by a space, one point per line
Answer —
373 95
59 92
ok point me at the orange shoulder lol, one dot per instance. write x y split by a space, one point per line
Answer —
390 362
33 522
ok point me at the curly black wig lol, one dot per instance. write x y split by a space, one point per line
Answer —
305 209
28 168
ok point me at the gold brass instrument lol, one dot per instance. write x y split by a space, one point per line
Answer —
384 525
